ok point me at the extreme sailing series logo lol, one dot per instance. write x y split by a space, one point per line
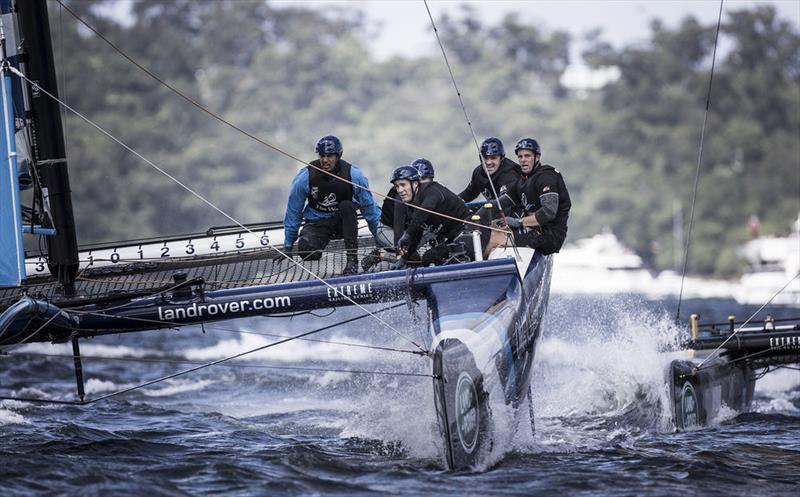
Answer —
347 292
784 343
196 310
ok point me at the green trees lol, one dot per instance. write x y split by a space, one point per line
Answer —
628 151
751 156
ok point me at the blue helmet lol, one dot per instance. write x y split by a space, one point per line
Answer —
424 167
528 144
329 145
405 172
492 146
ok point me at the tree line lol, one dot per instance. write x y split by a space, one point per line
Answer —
628 150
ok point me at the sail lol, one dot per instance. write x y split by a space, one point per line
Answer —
12 251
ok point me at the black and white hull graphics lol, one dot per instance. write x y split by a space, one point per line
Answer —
700 394
483 347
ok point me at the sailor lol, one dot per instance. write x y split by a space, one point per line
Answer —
528 153
432 199
503 171
323 196
394 209
541 207
425 169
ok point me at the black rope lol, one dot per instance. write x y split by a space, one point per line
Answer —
745 323
699 159
466 116
255 138
207 202
175 325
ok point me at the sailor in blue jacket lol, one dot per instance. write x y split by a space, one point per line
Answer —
328 204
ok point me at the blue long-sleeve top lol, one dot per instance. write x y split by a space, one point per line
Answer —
297 208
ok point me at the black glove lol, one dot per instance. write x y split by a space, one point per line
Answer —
404 242
278 257
372 259
513 222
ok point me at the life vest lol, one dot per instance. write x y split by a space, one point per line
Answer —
326 192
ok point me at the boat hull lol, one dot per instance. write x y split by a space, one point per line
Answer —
482 361
701 396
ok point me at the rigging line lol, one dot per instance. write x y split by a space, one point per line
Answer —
214 328
168 324
63 74
228 365
699 160
331 342
213 206
213 363
255 138
40 328
746 322
171 324
752 355
469 121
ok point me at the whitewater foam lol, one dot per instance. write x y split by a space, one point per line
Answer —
607 381
292 351
173 387
8 417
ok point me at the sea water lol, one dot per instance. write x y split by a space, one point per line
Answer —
310 427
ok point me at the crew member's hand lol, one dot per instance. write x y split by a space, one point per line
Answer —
403 243
513 222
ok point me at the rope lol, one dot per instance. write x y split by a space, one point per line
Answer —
233 365
745 323
213 206
201 366
699 159
40 328
733 361
171 324
253 137
469 121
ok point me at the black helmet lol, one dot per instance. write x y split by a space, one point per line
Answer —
329 145
528 144
424 167
405 172
492 146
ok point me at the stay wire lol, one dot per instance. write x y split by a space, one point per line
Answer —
753 355
210 204
469 121
185 371
697 368
171 324
699 160
255 138
234 365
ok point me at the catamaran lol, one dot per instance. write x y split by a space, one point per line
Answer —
483 318
479 343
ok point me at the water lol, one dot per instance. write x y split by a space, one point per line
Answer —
600 427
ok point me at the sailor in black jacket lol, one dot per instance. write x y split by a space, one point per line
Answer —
434 199
545 204
504 172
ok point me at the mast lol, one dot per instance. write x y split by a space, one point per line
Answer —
49 155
